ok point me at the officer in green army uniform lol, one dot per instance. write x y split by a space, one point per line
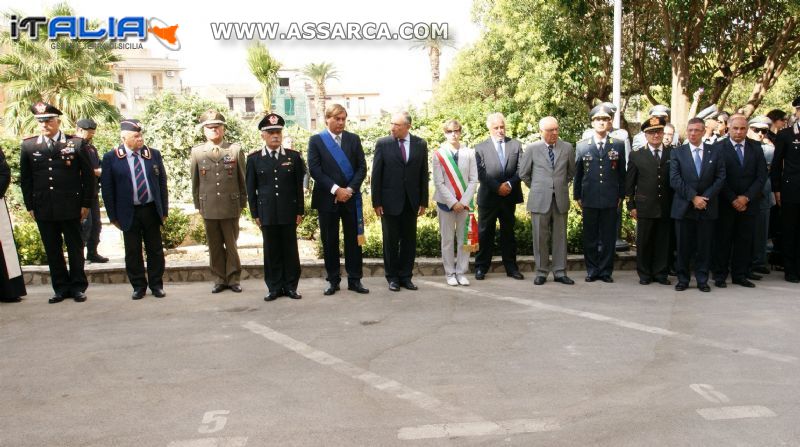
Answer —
218 188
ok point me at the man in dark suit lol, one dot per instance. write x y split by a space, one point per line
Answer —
697 174
275 194
58 186
786 187
134 185
498 195
399 194
649 202
91 226
740 197
337 164
599 188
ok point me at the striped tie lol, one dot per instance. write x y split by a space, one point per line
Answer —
141 184
551 155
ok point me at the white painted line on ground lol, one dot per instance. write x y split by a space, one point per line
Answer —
464 429
702 341
444 411
743 412
708 393
210 442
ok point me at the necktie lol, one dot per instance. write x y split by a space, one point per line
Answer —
600 147
274 155
49 143
501 154
740 153
338 140
141 184
455 157
551 155
658 155
403 150
215 151
697 161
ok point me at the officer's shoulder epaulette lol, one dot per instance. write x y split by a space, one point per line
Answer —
253 152
585 140
28 138
290 149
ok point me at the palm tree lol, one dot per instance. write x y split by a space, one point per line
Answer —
68 75
319 74
433 45
265 68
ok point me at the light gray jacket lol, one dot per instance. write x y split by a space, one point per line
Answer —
546 181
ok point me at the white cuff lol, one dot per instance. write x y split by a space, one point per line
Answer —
335 187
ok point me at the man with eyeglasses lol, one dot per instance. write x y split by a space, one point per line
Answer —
759 131
58 186
786 188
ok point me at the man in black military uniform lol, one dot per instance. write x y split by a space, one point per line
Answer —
274 182
91 226
786 187
58 186
650 201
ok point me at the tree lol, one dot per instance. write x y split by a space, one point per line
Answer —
265 68
66 73
319 74
433 44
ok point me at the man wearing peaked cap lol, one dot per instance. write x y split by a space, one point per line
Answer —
58 187
134 184
649 202
218 189
759 131
274 182
785 179
640 140
91 226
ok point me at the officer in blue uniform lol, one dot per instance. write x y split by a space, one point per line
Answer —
274 180
599 188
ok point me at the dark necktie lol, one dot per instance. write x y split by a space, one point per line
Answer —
403 150
141 184
658 156
275 155
455 157
600 148
740 153
551 155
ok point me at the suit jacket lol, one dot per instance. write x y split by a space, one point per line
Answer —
546 181
599 177
56 183
743 179
117 185
326 172
647 183
443 191
491 174
394 181
218 187
275 188
685 182
786 164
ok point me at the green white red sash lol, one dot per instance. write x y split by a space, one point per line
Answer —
470 237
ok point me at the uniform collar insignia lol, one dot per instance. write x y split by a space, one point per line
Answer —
145 151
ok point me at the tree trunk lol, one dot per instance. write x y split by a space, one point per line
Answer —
319 104
433 56
680 95
773 67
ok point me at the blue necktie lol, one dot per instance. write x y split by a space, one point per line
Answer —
551 155
740 153
698 163
141 184
501 154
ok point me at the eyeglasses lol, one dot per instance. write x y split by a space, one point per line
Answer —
761 131
448 132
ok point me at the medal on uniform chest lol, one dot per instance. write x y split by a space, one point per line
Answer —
613 156
229 164
203 171
586 160
68 153
156 171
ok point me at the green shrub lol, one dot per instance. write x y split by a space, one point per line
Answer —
373 248
175 228
574 229
29 241
197 232
310 225
429 241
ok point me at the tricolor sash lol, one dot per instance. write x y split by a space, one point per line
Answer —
347 169
470 237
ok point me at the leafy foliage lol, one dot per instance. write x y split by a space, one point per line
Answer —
175 228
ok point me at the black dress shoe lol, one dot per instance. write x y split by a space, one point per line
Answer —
664 281
644 282
138 294
607 279
754 277
272 296
761 269
744 282
79 296
394 287
159 293
681 286
704 287
720 283
357 287
565 280
539 280
218 288
94 257
480 274
516 275
293 294
236 288
57 298
408 285
590 279
331 289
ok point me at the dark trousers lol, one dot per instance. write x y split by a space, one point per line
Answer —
329 233
487 223
599 240
399 244
54 234
146 228
733 244
281 258
694 238
652 247
789 241
90 228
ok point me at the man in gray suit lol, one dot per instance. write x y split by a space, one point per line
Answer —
547 167
499 193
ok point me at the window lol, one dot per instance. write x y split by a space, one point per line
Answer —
288 106
347 103
283 82
230 103
362 107
249 105
120 79
122 106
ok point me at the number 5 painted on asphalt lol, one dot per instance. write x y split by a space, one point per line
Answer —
217 417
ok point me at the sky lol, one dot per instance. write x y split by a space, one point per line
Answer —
400 74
